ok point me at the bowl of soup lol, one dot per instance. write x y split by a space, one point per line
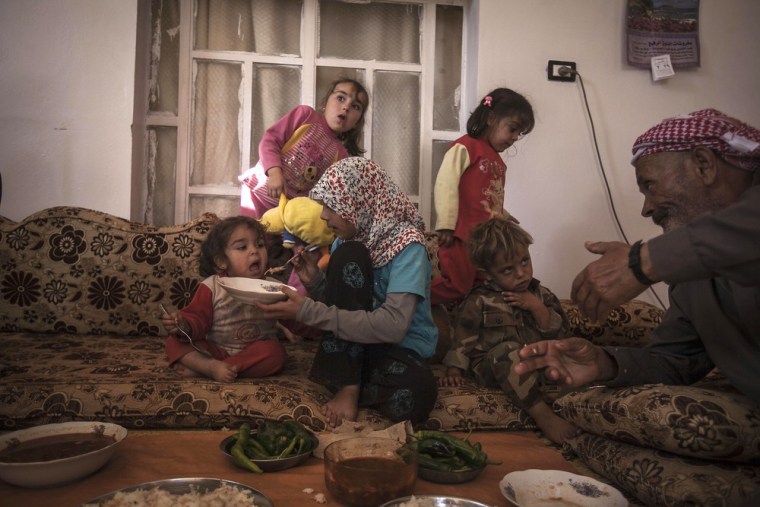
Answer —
56 454
369 471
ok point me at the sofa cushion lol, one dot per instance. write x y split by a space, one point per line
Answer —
661 478
74 270
126 380
472 407
46 378
708 420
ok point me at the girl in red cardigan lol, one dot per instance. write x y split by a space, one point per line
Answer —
469 188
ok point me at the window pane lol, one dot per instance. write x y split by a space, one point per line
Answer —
216 108
276 90
270 27
161 152
326 76
448 67
220 205
396 127
164 56
373 31
439 150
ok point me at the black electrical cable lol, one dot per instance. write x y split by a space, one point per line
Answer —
566 71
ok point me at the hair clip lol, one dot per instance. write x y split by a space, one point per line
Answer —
488 101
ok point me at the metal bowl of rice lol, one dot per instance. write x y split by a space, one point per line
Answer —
433 501
184 492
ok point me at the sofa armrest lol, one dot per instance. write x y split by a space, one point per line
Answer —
628 325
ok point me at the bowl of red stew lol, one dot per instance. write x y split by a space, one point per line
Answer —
56 454
369 471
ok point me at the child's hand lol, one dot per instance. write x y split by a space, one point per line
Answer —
525 300
530 302
445 237
453 378
305 265
275 182
171 321
282 310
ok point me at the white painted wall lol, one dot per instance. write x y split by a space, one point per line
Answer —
554 184
66 88
66 102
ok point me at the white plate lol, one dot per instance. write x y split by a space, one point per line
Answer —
544 488
248 290
182 486
44 474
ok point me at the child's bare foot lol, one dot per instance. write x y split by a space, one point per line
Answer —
343 406
185 372
204 366
221 371
554 427
450 381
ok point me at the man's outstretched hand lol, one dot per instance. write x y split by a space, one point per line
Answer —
606 282
571 362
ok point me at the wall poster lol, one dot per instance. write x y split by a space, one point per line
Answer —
663 27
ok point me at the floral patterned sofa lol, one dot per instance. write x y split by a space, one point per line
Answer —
81 339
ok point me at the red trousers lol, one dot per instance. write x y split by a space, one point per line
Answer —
260 358
458 275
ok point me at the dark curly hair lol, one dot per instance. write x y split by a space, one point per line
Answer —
494 236
218 237
351 138
504 102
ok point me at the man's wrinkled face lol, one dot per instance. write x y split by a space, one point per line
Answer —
673 194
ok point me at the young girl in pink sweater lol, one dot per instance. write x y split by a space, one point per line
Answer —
298 148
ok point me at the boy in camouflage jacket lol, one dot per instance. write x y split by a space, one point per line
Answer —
505 312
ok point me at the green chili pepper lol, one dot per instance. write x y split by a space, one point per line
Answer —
435 448
470 453
426 461
305 443
256 451
267 434
238 449
298 429
289 449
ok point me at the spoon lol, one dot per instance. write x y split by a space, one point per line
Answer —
279 269
185 334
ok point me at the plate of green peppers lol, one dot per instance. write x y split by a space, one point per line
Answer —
270 446
446 459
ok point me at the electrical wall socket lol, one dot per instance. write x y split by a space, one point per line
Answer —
552 71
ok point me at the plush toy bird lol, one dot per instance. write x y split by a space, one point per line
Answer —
298 220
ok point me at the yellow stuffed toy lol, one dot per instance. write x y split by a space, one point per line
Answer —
298 219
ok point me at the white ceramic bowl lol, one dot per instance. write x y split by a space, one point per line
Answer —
542 487
43 474
248 290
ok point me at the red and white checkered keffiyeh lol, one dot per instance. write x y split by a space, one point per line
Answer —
735 141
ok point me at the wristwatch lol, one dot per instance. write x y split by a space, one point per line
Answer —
634 263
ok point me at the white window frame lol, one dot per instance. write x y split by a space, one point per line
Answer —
308 61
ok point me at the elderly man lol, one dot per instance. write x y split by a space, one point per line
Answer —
700 176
